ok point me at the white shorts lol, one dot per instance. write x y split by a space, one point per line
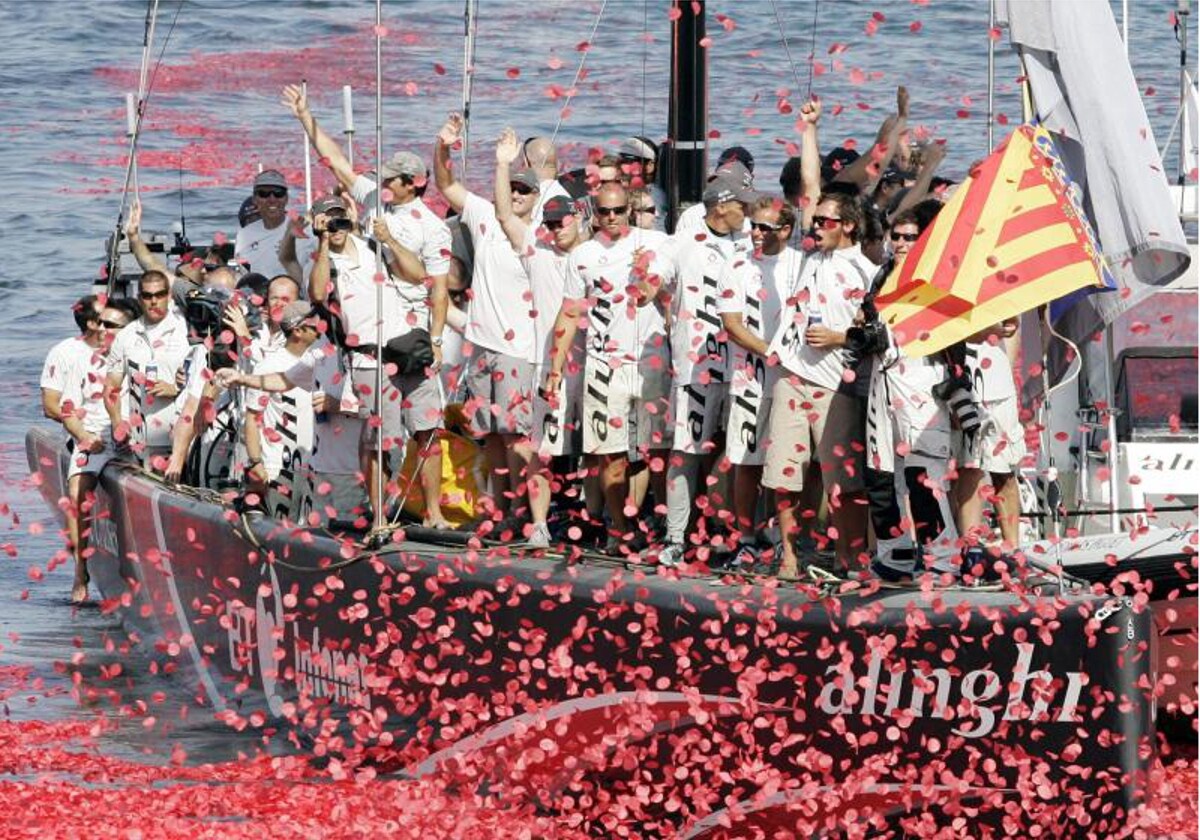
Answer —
746 427
1000 447
625 408
698 413
87 463
557 429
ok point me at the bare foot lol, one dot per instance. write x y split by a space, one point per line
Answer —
79 593
440 524
788 571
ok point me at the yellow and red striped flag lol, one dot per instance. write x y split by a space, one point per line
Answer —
1012 237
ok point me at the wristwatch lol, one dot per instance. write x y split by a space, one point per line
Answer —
436 341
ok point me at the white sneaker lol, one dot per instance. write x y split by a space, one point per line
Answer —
539 537
670 555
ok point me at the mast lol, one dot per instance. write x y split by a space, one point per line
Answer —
377 478
470 24
687 112
991 106
1182 12
348 121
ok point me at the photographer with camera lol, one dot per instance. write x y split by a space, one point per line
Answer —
908 427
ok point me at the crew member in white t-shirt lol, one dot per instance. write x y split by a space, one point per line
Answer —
544 251
998 449
700 351
258 244
732 165
639 158
619 277
539 154
501 327
751 295
142 367
345 269
73 387
808 415
279 424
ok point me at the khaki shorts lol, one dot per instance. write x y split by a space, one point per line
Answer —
87 463
625 408
1001 444
842 448
411 404
799 413
501 393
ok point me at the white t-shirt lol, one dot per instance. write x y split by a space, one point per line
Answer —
164 345
546 266
699 354
601 270
335 441
691 221
499 316
83 388
60 360
991 371
831 286
421 231
260 247
286 419
756 287
356 291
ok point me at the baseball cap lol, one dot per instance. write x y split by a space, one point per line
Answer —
728 186
328 202
895 175
295 314
556 209
271 178
636 147
838 159
525 176
404 163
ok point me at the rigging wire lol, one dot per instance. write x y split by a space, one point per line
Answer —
645 45
787 48
591 41
812 50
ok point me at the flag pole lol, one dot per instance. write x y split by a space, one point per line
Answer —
348 121
991 108
307 158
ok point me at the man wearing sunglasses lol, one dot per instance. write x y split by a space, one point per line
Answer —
500 324
258 244
73 394
809 417
544 251
752 294
141 385
639 156
618 276
412 226
700 351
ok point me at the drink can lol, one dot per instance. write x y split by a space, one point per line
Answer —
321 416
814 319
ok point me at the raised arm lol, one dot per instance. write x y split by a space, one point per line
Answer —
450 187
810 164
329 149
507 149
141 252
934 154
867 169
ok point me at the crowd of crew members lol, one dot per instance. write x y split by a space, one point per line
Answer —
704 397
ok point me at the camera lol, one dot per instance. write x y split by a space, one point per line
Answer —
204 311
336 224
869 339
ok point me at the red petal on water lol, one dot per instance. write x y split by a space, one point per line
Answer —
513 72
915 26
439 69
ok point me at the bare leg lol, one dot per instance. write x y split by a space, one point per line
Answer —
1007 500
850 513
786 503
639 483
967 490
746 481
519 454
539 489
430 452
613 479
498 472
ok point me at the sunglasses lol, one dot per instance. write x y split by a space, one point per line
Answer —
111 325
653 211
765 227
826 222
612 211
521 189
153 295
905 237
212 266
265 192
610 181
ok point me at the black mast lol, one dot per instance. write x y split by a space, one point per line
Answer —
687 112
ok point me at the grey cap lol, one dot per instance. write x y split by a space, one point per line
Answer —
328 202
295 314
271 178
728 186
527 177
404 163
635 147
